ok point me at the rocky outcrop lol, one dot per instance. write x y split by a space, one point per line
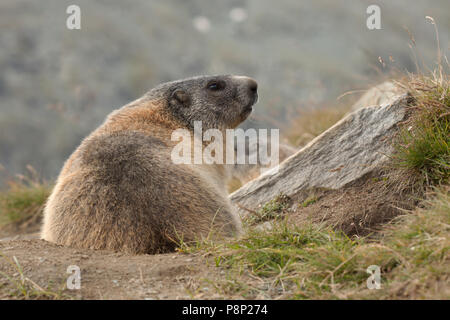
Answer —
353 147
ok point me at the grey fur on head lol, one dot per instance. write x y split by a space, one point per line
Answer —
205 98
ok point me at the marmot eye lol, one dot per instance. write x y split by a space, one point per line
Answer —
216 85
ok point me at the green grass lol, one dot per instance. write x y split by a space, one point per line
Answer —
273 209
22 200
308 201
423 145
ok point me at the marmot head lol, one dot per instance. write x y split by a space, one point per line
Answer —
220 102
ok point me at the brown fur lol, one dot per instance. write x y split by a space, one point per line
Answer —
120 190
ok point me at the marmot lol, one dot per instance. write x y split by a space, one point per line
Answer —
120 190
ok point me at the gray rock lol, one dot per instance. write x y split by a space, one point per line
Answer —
354 146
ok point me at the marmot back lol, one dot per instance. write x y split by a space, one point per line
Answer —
120 189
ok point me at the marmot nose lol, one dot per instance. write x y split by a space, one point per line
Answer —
252 85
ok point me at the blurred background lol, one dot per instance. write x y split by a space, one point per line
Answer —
57 85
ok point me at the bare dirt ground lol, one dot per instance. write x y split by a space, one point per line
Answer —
106 275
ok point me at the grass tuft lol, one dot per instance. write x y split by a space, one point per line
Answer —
23 199
308 201
423 145
271 210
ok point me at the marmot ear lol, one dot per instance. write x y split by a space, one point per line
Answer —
180 97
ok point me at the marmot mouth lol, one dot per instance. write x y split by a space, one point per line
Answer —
255 98
249 107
